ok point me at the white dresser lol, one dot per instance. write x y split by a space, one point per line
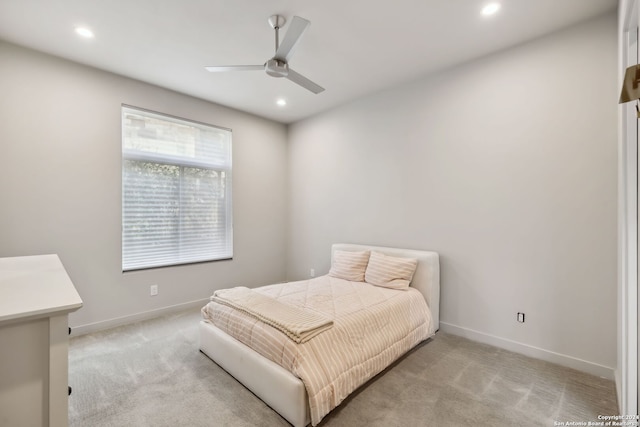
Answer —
36 296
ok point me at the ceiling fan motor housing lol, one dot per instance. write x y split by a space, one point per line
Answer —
276 68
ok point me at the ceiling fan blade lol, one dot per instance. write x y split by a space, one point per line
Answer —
234 68
297 27
304 82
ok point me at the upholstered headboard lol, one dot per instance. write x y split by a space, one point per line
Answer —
426 278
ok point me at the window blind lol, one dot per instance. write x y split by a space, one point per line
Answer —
176 191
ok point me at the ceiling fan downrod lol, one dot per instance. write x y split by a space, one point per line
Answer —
277 22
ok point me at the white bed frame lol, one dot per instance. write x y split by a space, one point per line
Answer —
276 386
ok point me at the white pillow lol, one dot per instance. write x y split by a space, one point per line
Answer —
390 272
349 265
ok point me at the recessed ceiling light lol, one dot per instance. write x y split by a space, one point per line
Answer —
84 32
281 102
490 9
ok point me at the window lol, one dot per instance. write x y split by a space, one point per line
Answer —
176 191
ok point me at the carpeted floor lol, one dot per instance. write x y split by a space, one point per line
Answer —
152 374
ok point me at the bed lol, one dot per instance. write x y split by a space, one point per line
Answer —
270 378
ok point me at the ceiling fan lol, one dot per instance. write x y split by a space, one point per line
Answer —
278 66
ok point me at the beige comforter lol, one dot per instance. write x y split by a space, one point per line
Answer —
373 326
297 323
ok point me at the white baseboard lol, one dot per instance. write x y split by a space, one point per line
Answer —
531 351
146 315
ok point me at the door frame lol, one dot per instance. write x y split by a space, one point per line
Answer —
628 262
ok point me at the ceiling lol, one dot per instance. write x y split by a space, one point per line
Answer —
352 48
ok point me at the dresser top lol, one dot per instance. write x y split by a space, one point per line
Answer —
35 286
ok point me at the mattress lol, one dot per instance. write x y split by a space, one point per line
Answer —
372 327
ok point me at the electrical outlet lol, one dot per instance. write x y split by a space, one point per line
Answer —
312 272
153 290
521 317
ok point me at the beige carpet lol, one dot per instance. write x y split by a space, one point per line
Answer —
152 374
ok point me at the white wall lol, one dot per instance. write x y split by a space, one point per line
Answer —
60 185
506 166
